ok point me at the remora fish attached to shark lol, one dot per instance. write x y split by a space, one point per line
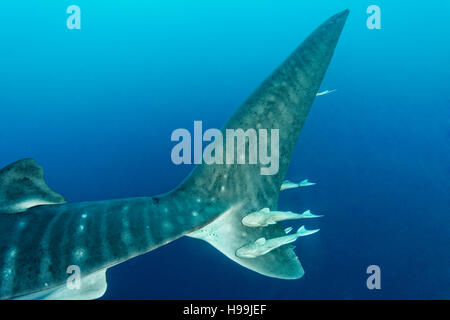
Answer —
41 235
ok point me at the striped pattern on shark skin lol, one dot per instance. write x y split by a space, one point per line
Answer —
93 235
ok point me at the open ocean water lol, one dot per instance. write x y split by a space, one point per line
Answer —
96 108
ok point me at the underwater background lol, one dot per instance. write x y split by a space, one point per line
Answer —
96 108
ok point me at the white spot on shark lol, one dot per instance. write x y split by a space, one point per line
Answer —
12 252
126 237
21 224
167 226
79 254
7 272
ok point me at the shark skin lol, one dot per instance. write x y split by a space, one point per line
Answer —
41 235
92 235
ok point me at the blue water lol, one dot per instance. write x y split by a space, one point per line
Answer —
96 108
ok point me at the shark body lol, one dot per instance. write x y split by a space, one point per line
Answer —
41 235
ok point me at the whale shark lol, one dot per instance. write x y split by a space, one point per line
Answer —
41 234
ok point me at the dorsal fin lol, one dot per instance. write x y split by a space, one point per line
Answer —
22 186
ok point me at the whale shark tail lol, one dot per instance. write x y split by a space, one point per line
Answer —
281 102
209 204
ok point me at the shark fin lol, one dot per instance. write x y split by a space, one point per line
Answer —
265 210
281 102
302 231
22 186
308 214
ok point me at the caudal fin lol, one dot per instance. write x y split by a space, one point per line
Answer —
281 102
